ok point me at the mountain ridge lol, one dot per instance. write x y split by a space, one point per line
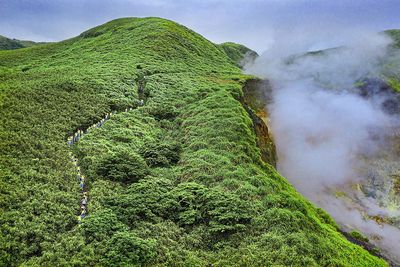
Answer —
11 44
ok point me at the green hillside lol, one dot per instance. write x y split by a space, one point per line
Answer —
177 181
239 54
395 35
10 44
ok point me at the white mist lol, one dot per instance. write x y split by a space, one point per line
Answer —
322 128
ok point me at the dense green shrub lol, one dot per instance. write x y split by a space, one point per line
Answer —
161 153
187 203
227 212
123 166
101 225
126 249
164 112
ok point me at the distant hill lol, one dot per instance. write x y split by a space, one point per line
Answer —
10 44
395 34
239 54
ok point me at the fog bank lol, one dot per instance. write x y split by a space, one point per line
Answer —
329 117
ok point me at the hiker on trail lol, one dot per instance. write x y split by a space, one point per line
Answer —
84 201
141 81
69 142
82 185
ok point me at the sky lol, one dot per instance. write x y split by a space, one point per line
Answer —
254 23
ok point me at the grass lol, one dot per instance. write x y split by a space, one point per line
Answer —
197 192
239 54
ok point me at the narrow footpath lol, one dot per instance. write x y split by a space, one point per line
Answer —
71 140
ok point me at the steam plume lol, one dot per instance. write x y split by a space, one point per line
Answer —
327 130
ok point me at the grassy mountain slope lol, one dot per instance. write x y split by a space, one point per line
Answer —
239 54
10 44
178 181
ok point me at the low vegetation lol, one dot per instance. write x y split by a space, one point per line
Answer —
178 181
239 54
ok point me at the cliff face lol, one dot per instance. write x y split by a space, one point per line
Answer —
256 95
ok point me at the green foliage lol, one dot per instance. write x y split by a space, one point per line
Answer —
126 249
395 35
359 236
394 84
239 54
390 72
188 202
176 182
101 225
162 153
124 166
10 44
228 213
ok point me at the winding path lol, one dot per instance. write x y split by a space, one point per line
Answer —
80 177
71 140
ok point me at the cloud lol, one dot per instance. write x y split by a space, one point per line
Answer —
254 23
323 126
